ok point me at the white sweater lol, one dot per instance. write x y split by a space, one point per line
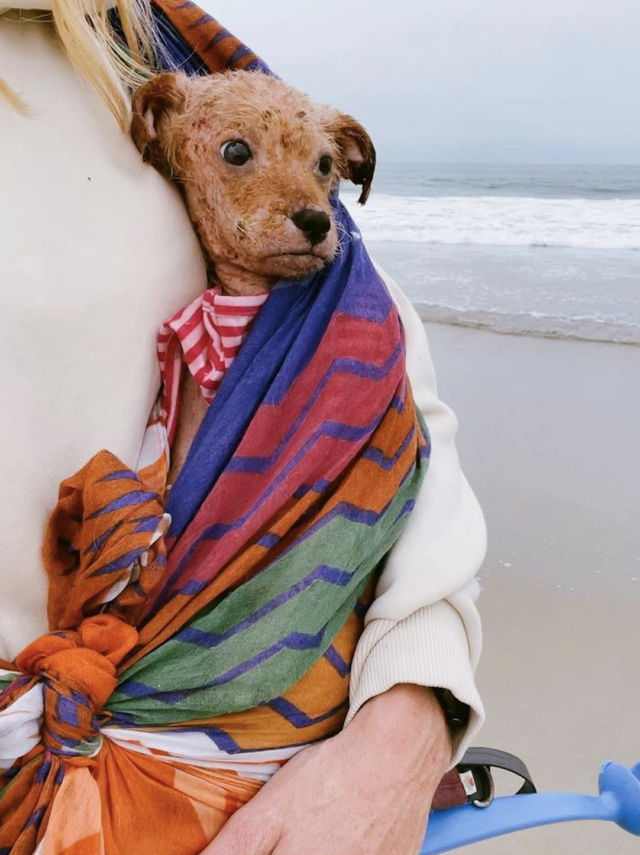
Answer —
423 627
96 251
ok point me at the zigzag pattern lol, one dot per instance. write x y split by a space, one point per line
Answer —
211 45
357 368
331 575
268 726
281 474
248 612
246 647
364 468
105 524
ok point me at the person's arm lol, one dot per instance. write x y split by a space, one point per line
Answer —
423 626
367 790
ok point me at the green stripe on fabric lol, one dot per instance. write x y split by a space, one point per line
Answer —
182 667
7 677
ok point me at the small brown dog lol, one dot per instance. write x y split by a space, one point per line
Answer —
257 162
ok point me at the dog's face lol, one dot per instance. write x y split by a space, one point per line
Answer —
257 161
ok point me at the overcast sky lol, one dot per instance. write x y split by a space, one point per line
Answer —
522 81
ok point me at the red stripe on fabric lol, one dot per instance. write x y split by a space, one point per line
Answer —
345 336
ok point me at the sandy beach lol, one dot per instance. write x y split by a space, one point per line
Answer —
549 441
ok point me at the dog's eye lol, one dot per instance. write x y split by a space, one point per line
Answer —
324 164
235 152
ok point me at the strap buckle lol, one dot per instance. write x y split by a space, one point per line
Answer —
478 785
475 774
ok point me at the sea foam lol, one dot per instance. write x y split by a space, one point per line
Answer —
500 221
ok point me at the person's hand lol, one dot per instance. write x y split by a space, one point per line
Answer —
366 790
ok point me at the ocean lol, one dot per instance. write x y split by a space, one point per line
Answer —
537 250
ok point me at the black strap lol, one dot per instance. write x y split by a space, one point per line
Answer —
480 761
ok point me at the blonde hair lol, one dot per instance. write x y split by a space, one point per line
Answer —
98 52
7 93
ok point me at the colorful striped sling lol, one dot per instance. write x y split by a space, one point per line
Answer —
195 646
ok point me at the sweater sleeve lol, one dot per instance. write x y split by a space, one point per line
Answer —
423 627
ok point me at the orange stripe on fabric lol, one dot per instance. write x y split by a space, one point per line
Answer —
321 689
83 536
199 36
356 487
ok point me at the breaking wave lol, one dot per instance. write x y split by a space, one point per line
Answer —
500 221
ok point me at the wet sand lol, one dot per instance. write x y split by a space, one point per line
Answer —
550 441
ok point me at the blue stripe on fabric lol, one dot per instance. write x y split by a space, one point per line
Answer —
282 341
11 772
333 657
147 524
121 475
324 573
297 717
139 590
319 487
360 609
172 52
120 563
134 689
347 511
67 742
135 497
36 817
67 711
219 530
342 509
293 641
398 404
43 770
222 739
223 34
378 456
192 587
406 508
205 19
332 429
269 539
99 542
120 719
237 55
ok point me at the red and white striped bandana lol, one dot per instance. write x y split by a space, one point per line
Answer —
206 335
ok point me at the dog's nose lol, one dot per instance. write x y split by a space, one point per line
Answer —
314 224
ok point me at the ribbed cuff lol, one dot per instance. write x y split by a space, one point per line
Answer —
427 648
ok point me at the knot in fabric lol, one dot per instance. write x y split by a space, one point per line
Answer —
77 671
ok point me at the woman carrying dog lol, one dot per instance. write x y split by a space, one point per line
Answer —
112 737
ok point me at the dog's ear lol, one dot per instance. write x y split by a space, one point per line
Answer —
357 154
151 103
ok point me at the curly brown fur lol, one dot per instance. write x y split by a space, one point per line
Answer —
243 214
